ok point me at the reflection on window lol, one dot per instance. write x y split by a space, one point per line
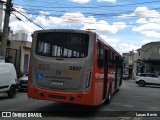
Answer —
44 48
63 45
100 55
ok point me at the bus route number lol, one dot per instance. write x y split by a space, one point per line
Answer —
75 68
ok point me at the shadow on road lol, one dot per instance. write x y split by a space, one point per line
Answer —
67 110
150 86
74 110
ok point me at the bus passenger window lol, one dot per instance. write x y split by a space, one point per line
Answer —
100 55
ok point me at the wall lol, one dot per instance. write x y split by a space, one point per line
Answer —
25 47
151 51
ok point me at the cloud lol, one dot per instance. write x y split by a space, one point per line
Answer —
142 12
151 34
70 20
109 40
22 24
112 1
77 19
80 1
142 21
148 23
149 29
126 47
120 46
143 42
104 27
19 22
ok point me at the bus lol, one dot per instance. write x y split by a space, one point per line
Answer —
73 66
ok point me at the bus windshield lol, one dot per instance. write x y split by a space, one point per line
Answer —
68 45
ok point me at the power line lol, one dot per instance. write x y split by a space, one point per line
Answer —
80 20
105 6
27 18
32 14
22 20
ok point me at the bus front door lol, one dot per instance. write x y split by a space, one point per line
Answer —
105 74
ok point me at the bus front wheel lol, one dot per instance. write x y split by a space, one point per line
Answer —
108 100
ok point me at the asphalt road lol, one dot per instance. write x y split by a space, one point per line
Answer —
128 101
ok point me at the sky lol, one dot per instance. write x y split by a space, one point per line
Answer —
125 24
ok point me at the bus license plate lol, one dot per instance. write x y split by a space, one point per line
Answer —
57 83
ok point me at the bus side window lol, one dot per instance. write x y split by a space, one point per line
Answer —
112 59
100 55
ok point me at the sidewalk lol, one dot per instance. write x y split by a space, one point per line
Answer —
131 80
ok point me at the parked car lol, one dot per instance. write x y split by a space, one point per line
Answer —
8 79
147 79
22 83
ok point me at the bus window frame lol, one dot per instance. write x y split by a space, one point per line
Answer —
59 49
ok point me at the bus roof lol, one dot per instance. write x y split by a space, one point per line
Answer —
65 30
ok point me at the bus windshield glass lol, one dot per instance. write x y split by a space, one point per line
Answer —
67 45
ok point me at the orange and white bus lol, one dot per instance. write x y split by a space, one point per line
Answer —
73 66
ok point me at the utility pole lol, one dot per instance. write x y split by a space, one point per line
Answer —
3 43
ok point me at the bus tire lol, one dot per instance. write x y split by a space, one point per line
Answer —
12 92
108 100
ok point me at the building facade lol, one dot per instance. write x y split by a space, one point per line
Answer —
130 68
18 51
149 58
19 54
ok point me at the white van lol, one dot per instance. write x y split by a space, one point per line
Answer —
8 79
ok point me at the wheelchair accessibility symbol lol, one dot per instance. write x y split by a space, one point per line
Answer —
39 76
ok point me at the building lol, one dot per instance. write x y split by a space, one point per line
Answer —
130 61
149 58
19 54
18 51
19 35
1 16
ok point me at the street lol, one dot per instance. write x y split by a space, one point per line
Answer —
130 97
